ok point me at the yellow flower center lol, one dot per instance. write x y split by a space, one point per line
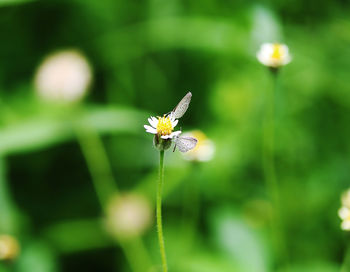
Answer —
277 51
164 126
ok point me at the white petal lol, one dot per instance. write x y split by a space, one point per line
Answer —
344 213
206 151
147 127
286 59
345 225
153 121
175 133
150 129
166 136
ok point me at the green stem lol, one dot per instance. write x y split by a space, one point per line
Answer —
8 210
136 254
346 262
159 211
98 163
270 171
105 186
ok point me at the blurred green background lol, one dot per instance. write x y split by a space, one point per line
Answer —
145 56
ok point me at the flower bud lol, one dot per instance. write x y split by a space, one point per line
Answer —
274 55
128 215
160 143
63 77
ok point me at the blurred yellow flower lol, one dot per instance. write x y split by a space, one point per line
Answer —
128 215
9 247
274 55
63 77
344 211
204 150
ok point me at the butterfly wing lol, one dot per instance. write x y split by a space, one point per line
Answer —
185 144
182 107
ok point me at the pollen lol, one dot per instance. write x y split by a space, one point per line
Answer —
164 126
277 51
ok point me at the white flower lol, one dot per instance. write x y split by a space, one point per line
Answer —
128 215
162 126
63 77
344 211
274 55
204 149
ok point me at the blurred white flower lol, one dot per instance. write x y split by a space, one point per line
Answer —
9 247
344 211
274 55
128 215
63 77
204 150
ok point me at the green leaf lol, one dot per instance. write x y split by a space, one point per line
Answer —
78 235
37 132
36 257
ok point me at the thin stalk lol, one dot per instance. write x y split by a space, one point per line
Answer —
136 254
98 164
8 210
270 170
159 211
346 262
105 186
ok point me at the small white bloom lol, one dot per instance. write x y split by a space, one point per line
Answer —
63 77
274 55
344 211
128 215
204 150
163 126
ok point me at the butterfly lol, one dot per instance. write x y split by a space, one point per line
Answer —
182 107
184 143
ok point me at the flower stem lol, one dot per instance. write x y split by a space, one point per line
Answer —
270 171
8 211
159 211
346 262
105 185
98 164
136 254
